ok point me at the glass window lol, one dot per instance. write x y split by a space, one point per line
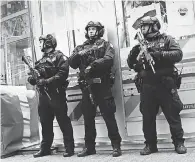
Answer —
15 68
11 7
3 76
15 43
17 26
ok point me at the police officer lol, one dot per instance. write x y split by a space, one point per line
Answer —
53 68
96 56
159 88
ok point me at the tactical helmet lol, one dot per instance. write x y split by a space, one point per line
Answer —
98 25
150 21
49 41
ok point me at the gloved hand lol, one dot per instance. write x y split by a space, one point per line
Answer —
84 52
31 80
156 55
42 82
81 53
96 62
87 70
135 50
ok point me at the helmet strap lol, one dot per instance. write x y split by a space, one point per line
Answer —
42 48
93 38
149 31
48 50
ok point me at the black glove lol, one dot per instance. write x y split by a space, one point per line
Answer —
87 70
31 80
132 57
97 62
157 55
42 82
135 50
84 52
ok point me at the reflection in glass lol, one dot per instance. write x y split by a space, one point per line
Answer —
11 7
17 26
15 68
3 76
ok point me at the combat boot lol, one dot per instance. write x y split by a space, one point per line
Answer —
68 153
42 152
86 152
180 148
148 149
116 150
69 150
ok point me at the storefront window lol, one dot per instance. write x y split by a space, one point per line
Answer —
11 7
16 69
3 76
17 26
15 41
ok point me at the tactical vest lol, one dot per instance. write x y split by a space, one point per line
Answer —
46 65
159 44
93 52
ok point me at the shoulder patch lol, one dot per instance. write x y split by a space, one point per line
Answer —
53 59
64 57
111 45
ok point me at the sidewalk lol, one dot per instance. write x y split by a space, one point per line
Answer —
164 155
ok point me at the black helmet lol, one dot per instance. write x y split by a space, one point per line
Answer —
151 21
99 27
49 41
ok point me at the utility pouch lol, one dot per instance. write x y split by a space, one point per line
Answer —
138 83
177 78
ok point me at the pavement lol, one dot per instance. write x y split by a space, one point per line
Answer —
131 155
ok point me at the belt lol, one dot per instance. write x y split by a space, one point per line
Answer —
150 78
94 80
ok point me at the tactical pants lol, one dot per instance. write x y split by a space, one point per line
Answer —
103 98
152 96
48 109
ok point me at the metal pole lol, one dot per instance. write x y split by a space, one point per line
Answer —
6 71
34 58
125 25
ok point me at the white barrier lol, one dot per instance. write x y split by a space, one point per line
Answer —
19 118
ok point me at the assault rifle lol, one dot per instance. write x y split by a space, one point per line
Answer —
34 72
85 82
144 54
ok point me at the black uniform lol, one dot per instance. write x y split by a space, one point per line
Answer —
99 55
52 98
159 89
